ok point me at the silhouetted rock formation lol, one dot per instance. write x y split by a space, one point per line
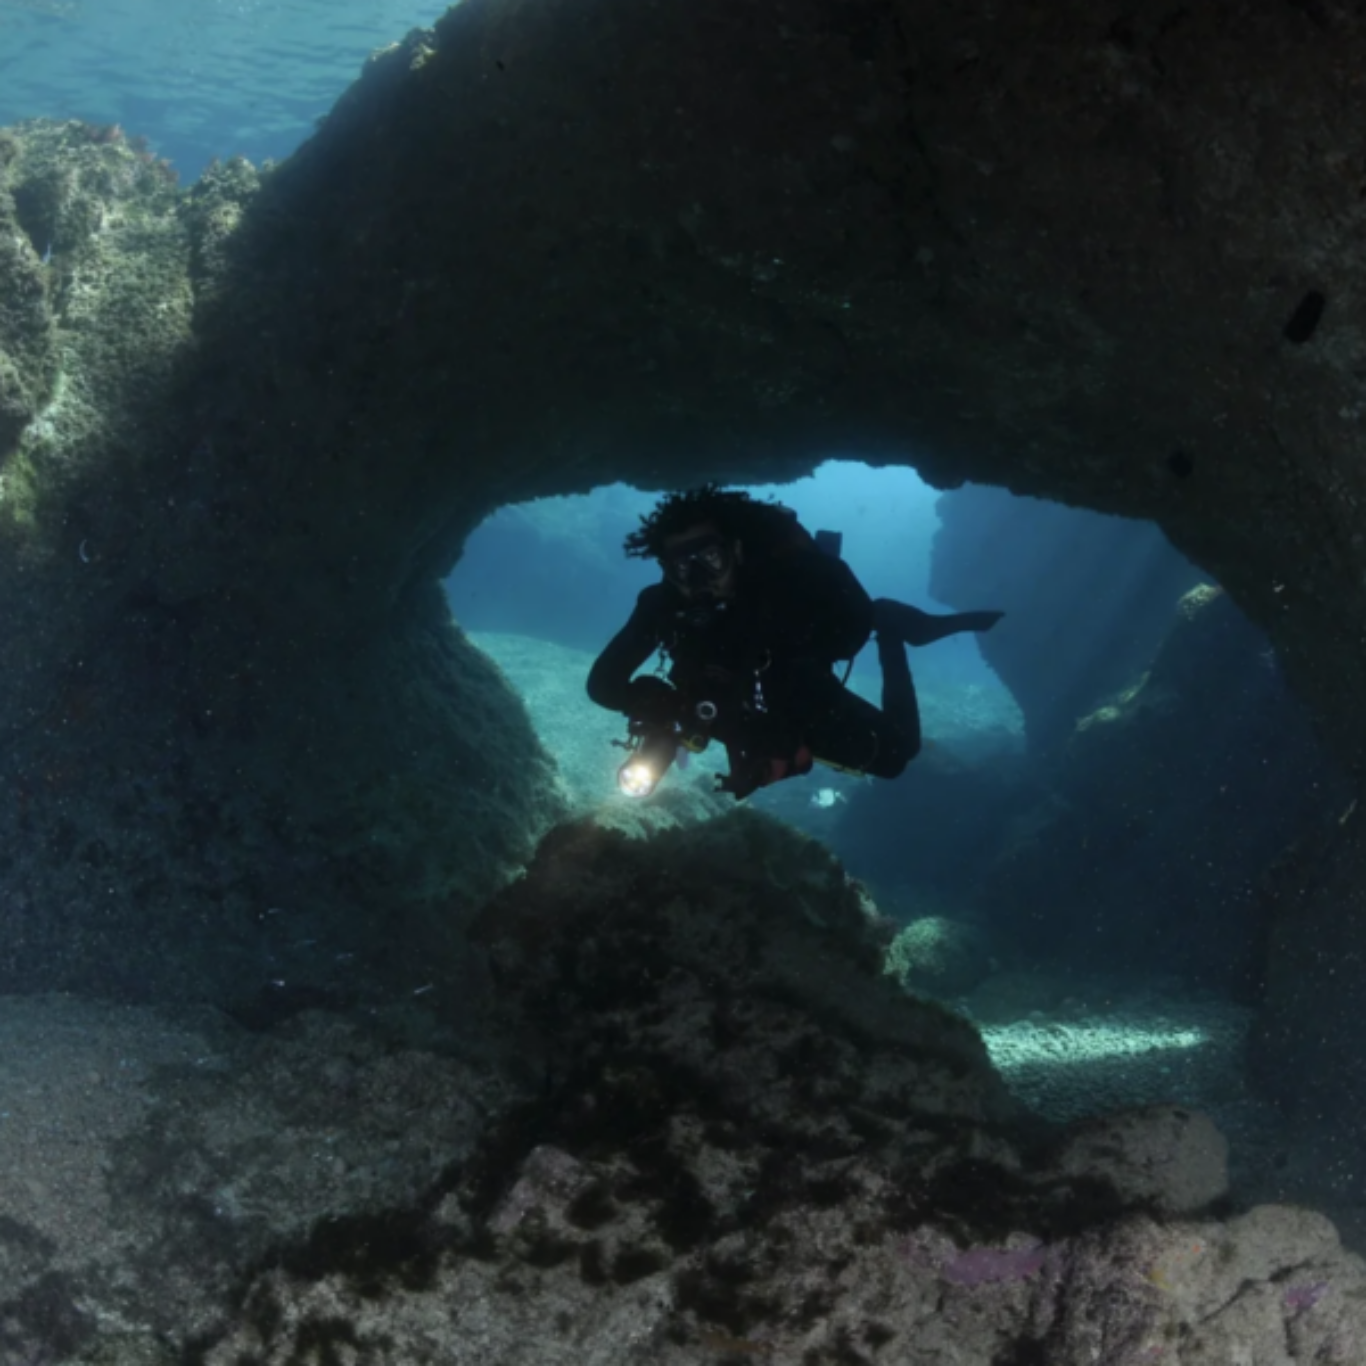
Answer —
1114 262
1164 809
513 261
1087 600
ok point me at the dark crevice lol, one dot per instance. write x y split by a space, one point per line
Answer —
1305 319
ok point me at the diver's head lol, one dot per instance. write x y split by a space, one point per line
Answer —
724 514
695 535
700 562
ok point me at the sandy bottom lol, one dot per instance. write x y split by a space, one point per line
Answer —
74 1080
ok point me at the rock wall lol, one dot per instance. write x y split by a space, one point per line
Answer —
1140 842
1103 258
920 241
1087 599
217 790
1165 811
1307 1045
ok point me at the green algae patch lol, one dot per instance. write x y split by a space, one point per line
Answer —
94 271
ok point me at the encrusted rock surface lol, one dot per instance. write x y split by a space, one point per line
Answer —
706 1174
1271 1287
700 1122
1168 1158
1104 258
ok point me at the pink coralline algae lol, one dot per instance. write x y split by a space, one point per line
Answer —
1306 1296
991 1265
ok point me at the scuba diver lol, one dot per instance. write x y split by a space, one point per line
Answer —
752 615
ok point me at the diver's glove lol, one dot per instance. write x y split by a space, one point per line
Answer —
653 701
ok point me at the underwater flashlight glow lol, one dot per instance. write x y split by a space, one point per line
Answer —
636 779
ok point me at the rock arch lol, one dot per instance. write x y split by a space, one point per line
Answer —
544 246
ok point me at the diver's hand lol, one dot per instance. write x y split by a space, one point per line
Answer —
653 701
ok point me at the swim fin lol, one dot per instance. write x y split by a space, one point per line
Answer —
914 627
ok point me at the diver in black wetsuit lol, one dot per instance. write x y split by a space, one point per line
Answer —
752 616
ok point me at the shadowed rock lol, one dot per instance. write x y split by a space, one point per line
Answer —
555 244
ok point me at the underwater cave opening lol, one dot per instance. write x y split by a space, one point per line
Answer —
1107 779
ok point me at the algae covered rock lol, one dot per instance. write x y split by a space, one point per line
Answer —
940 956
1172 1159
215 210
93 274
217 721
603 925
27 333
747 1143
703 1122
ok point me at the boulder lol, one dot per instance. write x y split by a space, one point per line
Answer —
1170 1159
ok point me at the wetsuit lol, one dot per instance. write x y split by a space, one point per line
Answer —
765 658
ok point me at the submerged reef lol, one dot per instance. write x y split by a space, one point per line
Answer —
694 1117
206 801
247 426
246 758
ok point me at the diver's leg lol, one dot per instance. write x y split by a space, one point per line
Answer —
899 702
923 628
853 734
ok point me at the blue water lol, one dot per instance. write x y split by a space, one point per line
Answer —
198 78
215 78
888 520
555 568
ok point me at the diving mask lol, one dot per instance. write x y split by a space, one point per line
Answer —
697 562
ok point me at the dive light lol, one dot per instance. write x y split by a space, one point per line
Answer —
647 762
654 747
